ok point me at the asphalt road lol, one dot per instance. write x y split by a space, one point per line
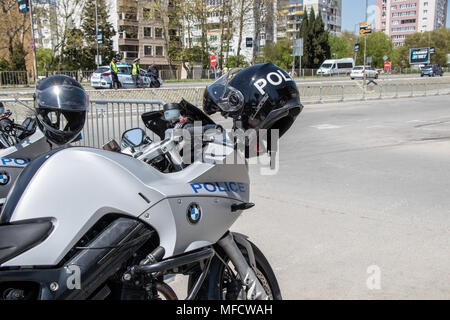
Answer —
300 81
359 184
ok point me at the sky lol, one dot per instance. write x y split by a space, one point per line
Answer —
353 13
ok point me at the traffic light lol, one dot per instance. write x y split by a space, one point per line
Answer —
24 6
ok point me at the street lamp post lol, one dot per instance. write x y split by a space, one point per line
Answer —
96 34
32 41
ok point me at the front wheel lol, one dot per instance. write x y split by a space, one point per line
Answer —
223 282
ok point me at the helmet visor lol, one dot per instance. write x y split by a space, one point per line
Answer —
228 98
69 98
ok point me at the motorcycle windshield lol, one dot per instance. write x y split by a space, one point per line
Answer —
229 99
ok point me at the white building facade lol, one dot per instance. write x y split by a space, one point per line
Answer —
192 34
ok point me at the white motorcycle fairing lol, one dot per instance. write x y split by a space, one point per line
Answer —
77 186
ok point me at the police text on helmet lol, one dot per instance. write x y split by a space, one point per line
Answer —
274 78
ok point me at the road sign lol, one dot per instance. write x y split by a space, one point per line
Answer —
419 56
100 37
365 27
357 47
385 58
249 42
213 60
298 47
23 5
387 65
369 60
432 51
98 59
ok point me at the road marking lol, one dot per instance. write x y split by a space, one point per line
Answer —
326 126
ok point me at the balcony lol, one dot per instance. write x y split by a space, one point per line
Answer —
130 55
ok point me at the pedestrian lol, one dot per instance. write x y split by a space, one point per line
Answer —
115 78
136 72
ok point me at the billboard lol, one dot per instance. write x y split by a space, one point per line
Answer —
419 56
365 27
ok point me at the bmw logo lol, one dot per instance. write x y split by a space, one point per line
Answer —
194 213
4 178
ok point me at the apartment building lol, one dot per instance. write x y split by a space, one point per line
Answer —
141 32
290 13
399 18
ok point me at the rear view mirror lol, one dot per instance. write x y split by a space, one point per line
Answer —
133 137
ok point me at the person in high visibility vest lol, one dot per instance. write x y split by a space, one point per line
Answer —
115 79
136 72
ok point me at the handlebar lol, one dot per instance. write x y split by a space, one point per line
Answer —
170 146
6 125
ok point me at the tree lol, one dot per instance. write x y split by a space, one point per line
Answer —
319 40
400 57
238 63
17 60
245 8
225 15
304 33
340 46
279 53
88 28
189 56
200 16
45 59
76 55
378 45
263 15
439 39
66 10
14 33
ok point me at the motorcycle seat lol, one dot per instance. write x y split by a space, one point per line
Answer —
18 237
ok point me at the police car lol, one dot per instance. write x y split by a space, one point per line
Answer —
101 78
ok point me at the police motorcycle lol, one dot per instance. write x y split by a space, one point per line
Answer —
21 143
84 223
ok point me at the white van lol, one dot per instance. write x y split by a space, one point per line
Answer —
336 66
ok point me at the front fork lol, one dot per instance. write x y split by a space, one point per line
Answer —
254 288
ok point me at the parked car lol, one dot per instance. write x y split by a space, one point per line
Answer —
359 71
101 78
432 70
336 66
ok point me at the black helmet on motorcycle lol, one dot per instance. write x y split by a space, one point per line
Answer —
61 105
263 96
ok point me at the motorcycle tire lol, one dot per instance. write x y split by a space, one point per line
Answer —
214 286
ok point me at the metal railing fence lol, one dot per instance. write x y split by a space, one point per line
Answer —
108 118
